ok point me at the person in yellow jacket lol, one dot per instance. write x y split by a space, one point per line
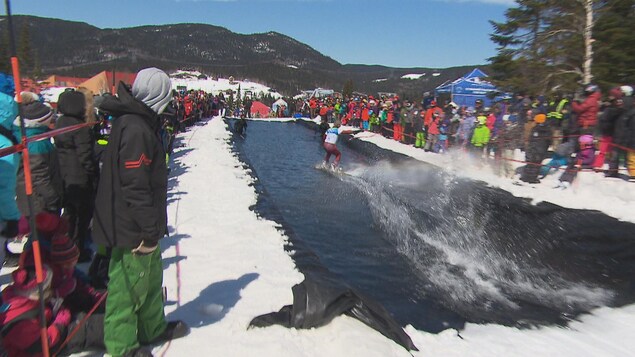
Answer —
481 136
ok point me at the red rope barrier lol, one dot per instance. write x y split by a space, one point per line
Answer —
49 134
82 322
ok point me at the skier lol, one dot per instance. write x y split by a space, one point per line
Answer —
330 142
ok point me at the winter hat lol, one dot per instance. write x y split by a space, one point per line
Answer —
63 251
72 103
591 88
540 118
29 97
586 140
153 87
615 93
37 112
25 281
50 223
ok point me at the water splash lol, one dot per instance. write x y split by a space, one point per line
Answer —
455 239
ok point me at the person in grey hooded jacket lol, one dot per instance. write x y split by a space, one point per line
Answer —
130 216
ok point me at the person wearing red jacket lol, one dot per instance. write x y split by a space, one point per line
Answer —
20 321
587 110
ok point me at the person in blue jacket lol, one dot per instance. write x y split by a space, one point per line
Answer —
9 212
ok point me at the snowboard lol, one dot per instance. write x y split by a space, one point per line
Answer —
328 168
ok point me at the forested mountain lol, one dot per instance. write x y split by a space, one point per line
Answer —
53 46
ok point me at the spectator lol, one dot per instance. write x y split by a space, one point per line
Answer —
78 168
131 218
480 137
536 149
625 135
587 110
45 173
9 212
609 118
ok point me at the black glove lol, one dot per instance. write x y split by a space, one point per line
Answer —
10 229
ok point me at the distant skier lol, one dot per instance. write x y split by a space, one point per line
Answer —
330 144
240 127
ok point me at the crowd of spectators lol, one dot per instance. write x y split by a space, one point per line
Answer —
76 178
588 132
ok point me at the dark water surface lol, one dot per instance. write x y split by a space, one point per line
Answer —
435 250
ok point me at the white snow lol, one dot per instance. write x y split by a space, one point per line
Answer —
51 94
292 66
380 80
216 86
413 76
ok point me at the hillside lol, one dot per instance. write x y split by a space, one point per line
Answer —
76 48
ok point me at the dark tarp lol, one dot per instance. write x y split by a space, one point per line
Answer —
319 299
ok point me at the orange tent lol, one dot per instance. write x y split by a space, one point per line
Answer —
105 81
99 84
260 109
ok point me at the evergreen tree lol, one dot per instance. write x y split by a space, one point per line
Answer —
5 59
37 69
238 97
230 103
615 44
348 89
544 45
24 52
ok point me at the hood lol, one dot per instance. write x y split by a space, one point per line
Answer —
153 87
8 110
73 104
125 103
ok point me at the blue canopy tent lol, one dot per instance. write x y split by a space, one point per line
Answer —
467 89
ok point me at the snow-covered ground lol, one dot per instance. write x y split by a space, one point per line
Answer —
190 80
413 76
233 267
216 86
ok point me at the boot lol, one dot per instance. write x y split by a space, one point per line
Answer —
138 352
174 330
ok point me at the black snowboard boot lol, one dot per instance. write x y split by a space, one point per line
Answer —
139 352
174 330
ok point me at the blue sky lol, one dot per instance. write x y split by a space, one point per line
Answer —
396 33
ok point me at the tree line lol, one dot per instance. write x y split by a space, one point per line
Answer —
555 46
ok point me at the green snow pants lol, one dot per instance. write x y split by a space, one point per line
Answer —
420 139
134 306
